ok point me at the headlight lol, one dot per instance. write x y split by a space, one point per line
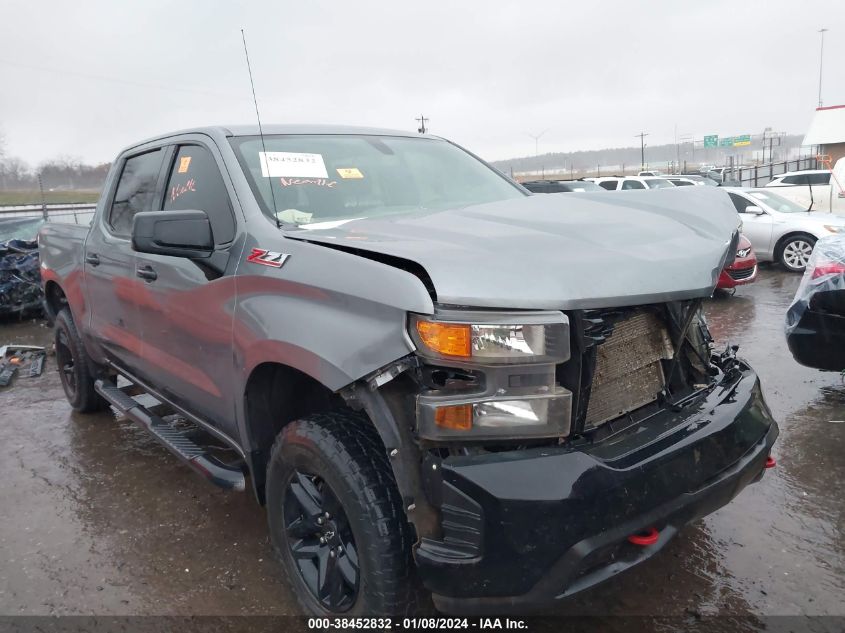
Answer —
533 416
492 339
834 228
514 356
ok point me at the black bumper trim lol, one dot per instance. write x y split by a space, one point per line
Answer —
671 517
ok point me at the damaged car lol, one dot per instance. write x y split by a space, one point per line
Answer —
430 378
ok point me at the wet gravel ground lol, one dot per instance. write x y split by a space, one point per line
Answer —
97 519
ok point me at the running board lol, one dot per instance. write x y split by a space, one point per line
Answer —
174 440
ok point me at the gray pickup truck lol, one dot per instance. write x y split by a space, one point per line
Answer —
437 383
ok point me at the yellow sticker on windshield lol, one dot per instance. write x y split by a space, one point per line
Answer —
349 172
184 163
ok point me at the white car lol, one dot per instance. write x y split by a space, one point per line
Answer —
686 181
622 183
822 188
652 172
779 229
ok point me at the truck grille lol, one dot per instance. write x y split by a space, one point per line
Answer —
628 372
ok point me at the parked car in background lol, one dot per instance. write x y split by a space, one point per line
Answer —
781 230
742 270
819 189
815 322
560 186
685 180
652 172
717 174
622 183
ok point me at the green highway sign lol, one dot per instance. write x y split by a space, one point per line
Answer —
726 141
711 140
739 141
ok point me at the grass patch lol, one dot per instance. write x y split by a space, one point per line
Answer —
50 197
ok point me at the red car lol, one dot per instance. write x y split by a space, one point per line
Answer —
743 270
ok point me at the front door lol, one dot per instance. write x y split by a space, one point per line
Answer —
186 316
757 228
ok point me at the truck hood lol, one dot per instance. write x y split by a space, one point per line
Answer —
556 251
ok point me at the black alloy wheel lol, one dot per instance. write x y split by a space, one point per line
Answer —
321 541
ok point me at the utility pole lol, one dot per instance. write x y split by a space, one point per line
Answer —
422 120
642 136
821 61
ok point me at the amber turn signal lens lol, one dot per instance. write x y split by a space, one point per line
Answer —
457 418
449 339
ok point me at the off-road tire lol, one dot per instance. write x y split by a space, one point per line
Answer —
77 378
782 249
343 449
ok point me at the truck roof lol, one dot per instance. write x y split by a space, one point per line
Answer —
221 132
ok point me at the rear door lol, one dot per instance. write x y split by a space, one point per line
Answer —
109 262
186 317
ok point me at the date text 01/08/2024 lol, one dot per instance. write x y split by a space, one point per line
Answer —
417 623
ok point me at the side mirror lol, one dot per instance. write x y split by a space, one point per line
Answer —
750 209
175 233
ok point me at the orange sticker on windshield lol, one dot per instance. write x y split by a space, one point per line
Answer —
184 163
349 172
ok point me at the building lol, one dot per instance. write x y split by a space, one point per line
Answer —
827 132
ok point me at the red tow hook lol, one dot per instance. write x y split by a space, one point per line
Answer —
770 462
649 537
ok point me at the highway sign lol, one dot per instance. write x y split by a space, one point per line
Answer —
711 140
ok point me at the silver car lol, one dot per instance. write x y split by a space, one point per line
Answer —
779 229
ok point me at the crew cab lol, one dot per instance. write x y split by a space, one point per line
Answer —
405 358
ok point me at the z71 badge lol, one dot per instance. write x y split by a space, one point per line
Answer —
267 258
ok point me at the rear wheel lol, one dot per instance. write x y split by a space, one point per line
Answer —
75 367
336 519
794 253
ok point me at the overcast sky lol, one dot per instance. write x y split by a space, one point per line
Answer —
86 78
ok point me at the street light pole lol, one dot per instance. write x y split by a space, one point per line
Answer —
821 61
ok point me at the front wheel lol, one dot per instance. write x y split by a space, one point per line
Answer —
336 519
795 252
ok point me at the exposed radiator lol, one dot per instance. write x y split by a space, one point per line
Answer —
628 371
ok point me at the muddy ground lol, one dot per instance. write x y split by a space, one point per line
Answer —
97 519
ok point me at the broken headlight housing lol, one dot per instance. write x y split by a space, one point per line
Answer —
516 353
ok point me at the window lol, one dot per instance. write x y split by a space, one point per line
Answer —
681 183
195 183
739 202
610 185
135 190
818 179
658 183
632 184
794 180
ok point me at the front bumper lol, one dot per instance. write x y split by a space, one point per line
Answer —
525 528
738 274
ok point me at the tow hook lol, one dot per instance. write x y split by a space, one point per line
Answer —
770 462
645 538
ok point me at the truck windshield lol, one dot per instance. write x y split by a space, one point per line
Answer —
323 178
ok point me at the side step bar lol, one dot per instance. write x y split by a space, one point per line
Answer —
185 449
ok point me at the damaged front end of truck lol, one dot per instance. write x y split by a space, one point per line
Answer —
540 452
